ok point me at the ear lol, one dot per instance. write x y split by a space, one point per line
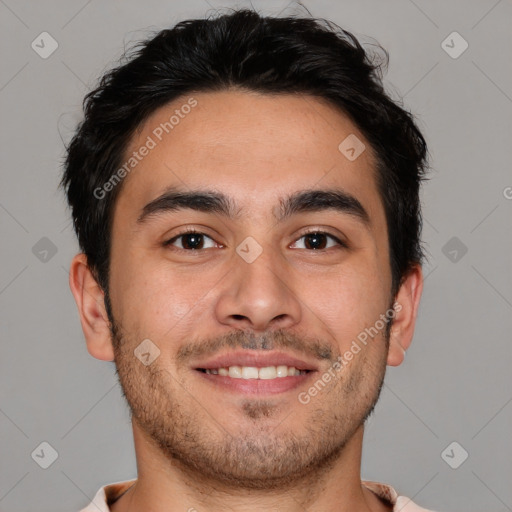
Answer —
90 300
406 307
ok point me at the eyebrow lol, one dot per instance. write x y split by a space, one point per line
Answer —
211 201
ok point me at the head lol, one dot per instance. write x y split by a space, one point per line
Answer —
273 140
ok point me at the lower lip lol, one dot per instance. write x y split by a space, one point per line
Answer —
257 386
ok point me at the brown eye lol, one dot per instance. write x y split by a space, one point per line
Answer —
191 241
318 240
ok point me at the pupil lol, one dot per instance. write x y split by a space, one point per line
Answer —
315 240
193 241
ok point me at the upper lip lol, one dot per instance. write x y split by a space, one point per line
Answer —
255 358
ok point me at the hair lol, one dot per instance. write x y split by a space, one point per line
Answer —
247 51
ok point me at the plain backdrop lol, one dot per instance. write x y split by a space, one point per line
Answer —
448 405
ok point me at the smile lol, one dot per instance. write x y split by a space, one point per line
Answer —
252 372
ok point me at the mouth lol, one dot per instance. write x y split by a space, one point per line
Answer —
254 372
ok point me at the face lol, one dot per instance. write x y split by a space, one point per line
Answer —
272 275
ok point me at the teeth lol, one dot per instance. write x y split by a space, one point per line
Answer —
235 372
251 372
282 371
269 372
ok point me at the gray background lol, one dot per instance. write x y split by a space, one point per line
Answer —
455 384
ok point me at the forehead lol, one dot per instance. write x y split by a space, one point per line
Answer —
251 146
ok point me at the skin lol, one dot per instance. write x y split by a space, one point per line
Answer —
198 446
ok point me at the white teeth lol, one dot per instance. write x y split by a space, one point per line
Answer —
251 372
235 372
269 372
282 371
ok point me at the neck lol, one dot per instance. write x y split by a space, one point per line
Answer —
164 485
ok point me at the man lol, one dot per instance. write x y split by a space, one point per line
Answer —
246 200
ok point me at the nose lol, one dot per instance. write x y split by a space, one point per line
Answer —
259 295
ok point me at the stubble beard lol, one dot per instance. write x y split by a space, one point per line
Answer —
269 455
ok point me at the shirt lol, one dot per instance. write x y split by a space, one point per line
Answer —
111 492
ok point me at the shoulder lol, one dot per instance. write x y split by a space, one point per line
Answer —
107 494
391 498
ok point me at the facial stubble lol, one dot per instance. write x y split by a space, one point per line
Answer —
264 450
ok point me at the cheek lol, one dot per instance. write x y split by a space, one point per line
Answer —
348 301
156 301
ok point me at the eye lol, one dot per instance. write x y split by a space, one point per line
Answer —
191 241
318 241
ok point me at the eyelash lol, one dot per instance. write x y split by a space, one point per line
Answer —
192 231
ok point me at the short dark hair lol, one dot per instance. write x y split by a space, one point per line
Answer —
244 50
